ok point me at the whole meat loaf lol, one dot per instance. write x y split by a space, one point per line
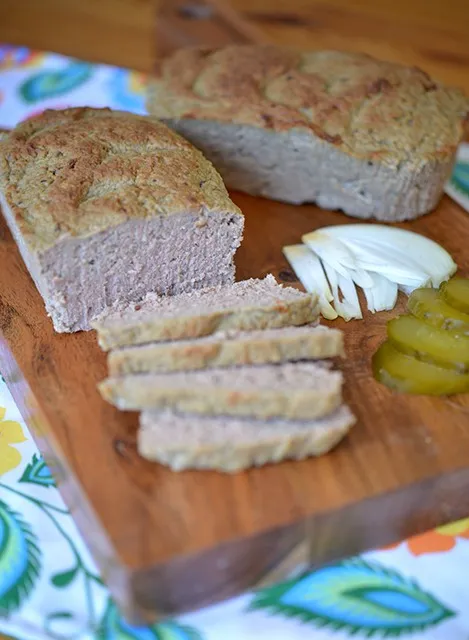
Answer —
344 130
108 206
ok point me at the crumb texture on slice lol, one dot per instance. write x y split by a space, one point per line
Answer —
290 390
232 444
245 306
228 349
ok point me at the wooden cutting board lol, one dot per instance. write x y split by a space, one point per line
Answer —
167 542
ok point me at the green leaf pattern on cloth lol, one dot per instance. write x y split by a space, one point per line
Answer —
64 578
362 598
37 472
20 560
51 84
114 627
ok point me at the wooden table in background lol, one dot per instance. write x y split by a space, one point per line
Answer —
433 34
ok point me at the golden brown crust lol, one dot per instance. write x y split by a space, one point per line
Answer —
78 171
368 108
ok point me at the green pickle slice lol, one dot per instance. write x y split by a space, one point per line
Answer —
404 373
426 342
428 305
456 293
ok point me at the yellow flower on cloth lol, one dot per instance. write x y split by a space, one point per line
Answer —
10 433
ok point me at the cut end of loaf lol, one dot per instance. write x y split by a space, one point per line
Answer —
115 205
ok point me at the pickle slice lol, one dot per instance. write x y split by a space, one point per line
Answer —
406 374
417 338
456 293
428 305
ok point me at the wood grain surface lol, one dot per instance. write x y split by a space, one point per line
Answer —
431 33
403 469
185 24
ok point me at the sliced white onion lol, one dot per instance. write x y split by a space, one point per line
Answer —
371 257
382 296
340 258
332 277
378 258
350 304
308 268
400 247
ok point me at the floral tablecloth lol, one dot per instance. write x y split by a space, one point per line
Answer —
49 586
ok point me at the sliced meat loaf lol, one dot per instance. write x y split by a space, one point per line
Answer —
106 206
244 306
229 349
232 444
344 130
292 391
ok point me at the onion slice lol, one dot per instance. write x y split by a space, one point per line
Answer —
380 259
382 296
308 268
399 246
